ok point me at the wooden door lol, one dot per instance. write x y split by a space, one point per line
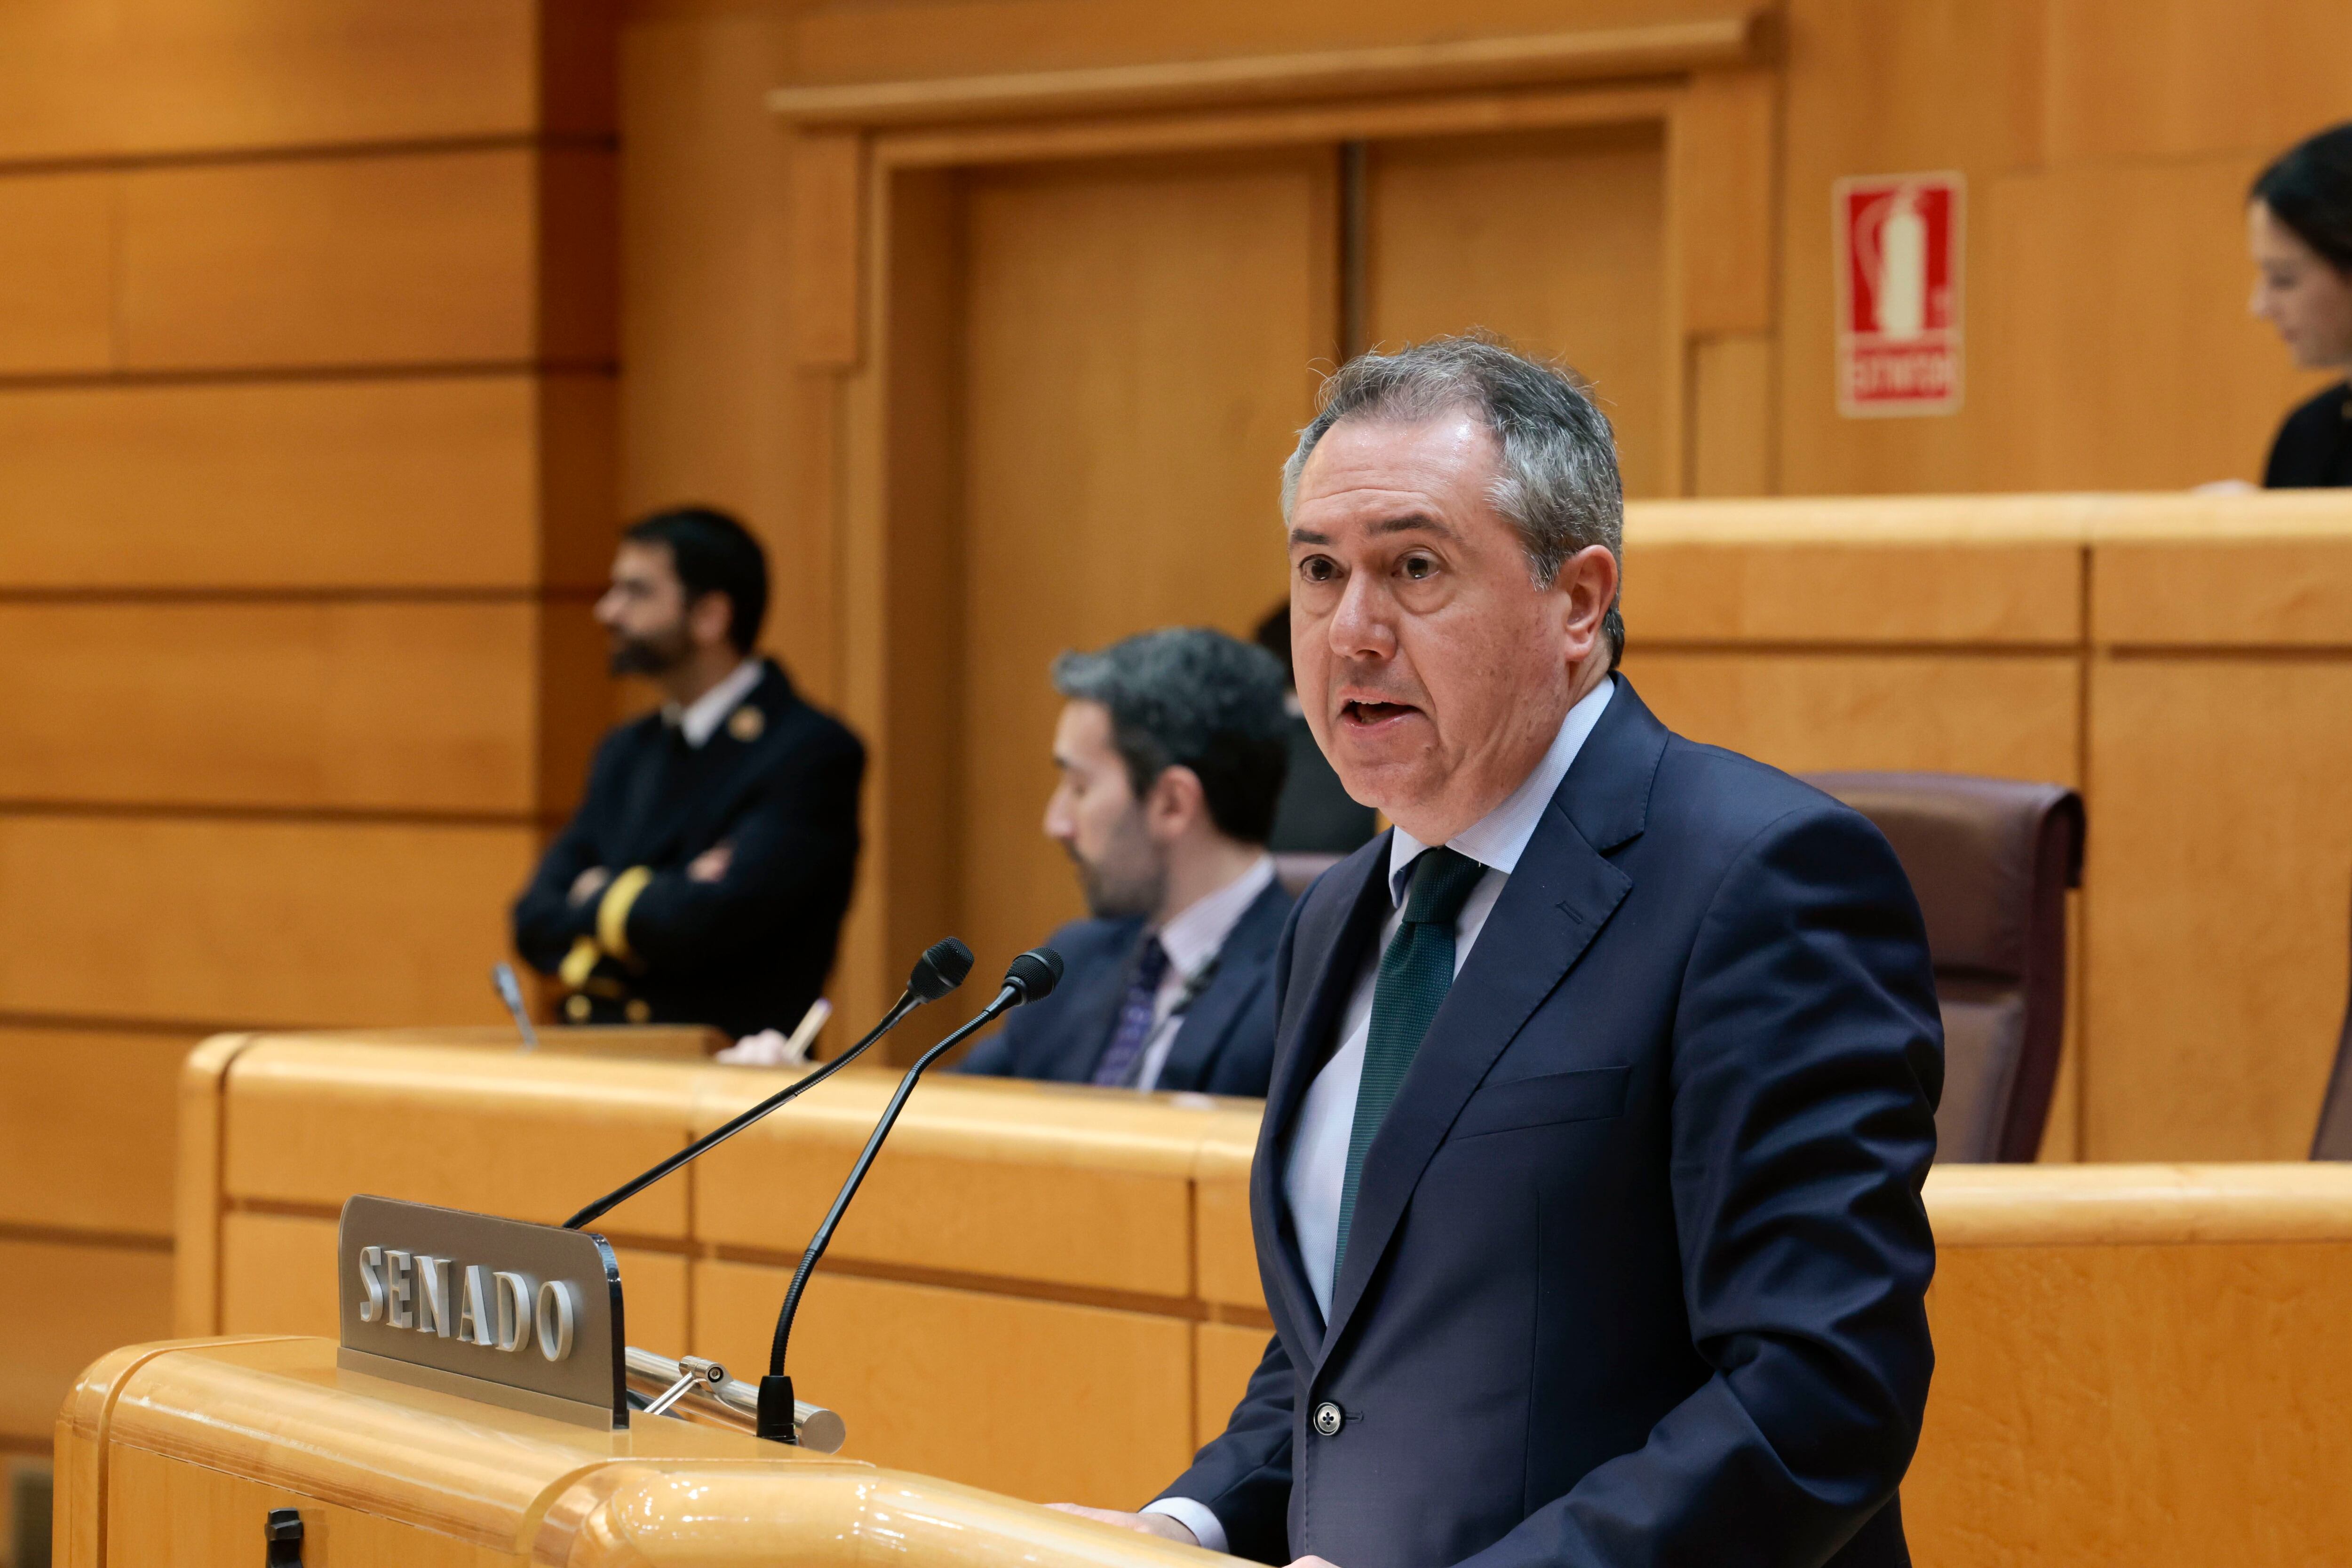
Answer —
1556 241
1140 338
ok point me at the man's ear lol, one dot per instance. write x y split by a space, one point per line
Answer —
1174 803
709 618
1588 581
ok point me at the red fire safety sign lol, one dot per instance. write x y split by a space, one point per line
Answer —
1899 283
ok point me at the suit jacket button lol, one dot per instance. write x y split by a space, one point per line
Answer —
1329 1418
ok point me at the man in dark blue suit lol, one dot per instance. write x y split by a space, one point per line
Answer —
1171 749
1586 1200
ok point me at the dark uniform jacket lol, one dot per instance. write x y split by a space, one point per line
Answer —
1225 1045
776 784
1638 1265
2314 447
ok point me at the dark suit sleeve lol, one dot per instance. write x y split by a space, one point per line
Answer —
1807 1061
793 848
546 922
995 1056
1244 1476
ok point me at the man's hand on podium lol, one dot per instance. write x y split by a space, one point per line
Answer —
1158 1524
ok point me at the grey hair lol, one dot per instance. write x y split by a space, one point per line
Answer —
1190 696
1559 486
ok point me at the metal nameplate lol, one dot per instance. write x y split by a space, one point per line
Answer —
525 1316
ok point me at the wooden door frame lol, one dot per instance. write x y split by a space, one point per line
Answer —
870 162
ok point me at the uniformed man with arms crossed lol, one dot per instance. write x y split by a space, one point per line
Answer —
704 877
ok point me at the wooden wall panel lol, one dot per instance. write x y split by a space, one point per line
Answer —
2172 78
2084 1411
2221 874
1723 151
2242 592
2009 717
856 43
411 483
1115 1425
1873 89
151 76
57 273
1179 306
74 1156
1555 241
277 1275
296 922
975 1183
1734 426
65 1306
711 405
1223 1356
2020 594
366 1119
399 706
336 261
2125 311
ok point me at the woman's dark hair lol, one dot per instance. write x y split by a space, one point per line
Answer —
713 554
2309 189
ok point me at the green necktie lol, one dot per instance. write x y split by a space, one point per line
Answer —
1416 972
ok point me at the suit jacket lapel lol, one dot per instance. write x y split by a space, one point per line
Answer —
1240 970
1336 922
1562 892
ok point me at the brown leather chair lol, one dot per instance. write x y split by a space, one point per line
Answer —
2333 1139
1990 860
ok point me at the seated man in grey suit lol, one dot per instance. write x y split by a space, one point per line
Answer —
1171 749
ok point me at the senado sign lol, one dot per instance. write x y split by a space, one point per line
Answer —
441 1296
527 1316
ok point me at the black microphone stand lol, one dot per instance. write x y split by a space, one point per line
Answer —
942 968
1032 976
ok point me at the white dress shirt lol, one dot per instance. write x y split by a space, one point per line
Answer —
700 719
1316 1166
1192 938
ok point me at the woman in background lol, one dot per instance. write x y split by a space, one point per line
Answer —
2299 225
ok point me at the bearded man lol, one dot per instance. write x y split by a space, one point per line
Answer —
1172 748
705 876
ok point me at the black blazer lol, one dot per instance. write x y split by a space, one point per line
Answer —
1638 1267
751 951
1225 1045
2314 447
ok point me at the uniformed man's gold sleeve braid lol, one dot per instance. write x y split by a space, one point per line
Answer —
612 910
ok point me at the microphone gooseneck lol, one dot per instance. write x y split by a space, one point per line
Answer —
942 968
1030 978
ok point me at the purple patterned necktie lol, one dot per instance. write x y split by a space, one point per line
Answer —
1126 1042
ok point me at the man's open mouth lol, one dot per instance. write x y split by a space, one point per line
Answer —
1374 712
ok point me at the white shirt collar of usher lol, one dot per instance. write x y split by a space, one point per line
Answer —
700 719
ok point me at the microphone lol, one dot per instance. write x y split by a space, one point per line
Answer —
1030 978
942 968
509 990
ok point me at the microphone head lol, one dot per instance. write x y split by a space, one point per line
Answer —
1035 973
942 968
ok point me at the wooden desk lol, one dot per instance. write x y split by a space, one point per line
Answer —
2139 1362
2186 661
177 1454
87 1125
1022 1259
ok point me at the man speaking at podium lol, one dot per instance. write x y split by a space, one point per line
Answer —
704 877
1586 1201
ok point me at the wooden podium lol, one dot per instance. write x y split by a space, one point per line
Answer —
179 1453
